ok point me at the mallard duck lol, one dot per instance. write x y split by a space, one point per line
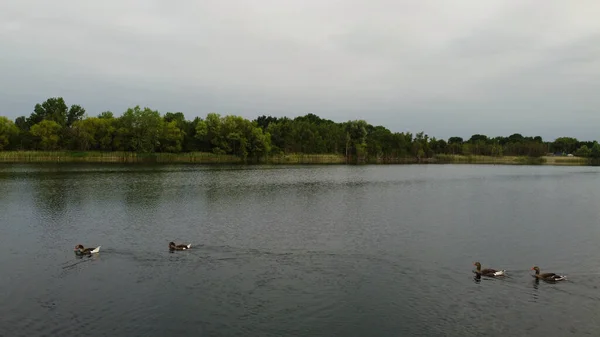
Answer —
173 246
547 276
488 272
79 250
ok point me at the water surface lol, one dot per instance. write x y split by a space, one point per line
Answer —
298 251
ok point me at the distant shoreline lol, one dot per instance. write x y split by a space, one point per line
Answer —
288 159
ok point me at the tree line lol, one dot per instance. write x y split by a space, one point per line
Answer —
55 126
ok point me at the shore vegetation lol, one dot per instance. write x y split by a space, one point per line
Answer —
56 132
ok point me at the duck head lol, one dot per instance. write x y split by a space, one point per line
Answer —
537 269
78 247
171 244
478 265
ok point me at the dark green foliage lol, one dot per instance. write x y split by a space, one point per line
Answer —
583 151
595 153
8 133
54 126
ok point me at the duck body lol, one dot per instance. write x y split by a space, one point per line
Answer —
80 250
173 246
547 276
488 271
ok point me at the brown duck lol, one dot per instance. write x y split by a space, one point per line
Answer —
80 250
173 246
547 276
488 271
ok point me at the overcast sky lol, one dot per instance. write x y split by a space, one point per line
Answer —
444 67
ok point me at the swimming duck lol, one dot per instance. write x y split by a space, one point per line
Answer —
172 246
79 250
547 276
488 272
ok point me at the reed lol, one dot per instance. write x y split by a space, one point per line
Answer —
114 157
550 160
291 159
299 158
507 160
472 159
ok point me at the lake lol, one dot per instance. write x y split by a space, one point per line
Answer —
298 250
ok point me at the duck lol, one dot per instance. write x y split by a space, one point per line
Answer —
547 276
172 246
80 250
488 272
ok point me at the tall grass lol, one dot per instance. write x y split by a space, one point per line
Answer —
299 158
113 157
545 160
294 158
569 161
472 159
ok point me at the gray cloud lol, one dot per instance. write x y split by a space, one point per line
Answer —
444 67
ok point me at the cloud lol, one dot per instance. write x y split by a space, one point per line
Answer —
444 67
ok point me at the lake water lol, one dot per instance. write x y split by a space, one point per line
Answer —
298 251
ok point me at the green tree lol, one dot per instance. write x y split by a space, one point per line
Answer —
478 138
54 109
583 151
172 137
356 138
263 121
106 115
48 133
564 145
595 152
75 113
94 133
140 129
8 132
281 135
455 145
84 133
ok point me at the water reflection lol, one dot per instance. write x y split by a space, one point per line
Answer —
6 186
50 197
143 190
534 293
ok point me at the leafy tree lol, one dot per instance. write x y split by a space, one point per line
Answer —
21 123
263 121
48 132
595 152
94 133
515 138
75 114
281 135
172 137
583 151
455 145
356 138
54 109
106 115
84 132
140 129
477 138
564 145
8 132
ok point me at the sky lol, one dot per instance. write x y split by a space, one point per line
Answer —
448 68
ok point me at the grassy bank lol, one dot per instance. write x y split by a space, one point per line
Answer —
567 161
297 158
114 157
462 159
508 160
133 157
514 160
